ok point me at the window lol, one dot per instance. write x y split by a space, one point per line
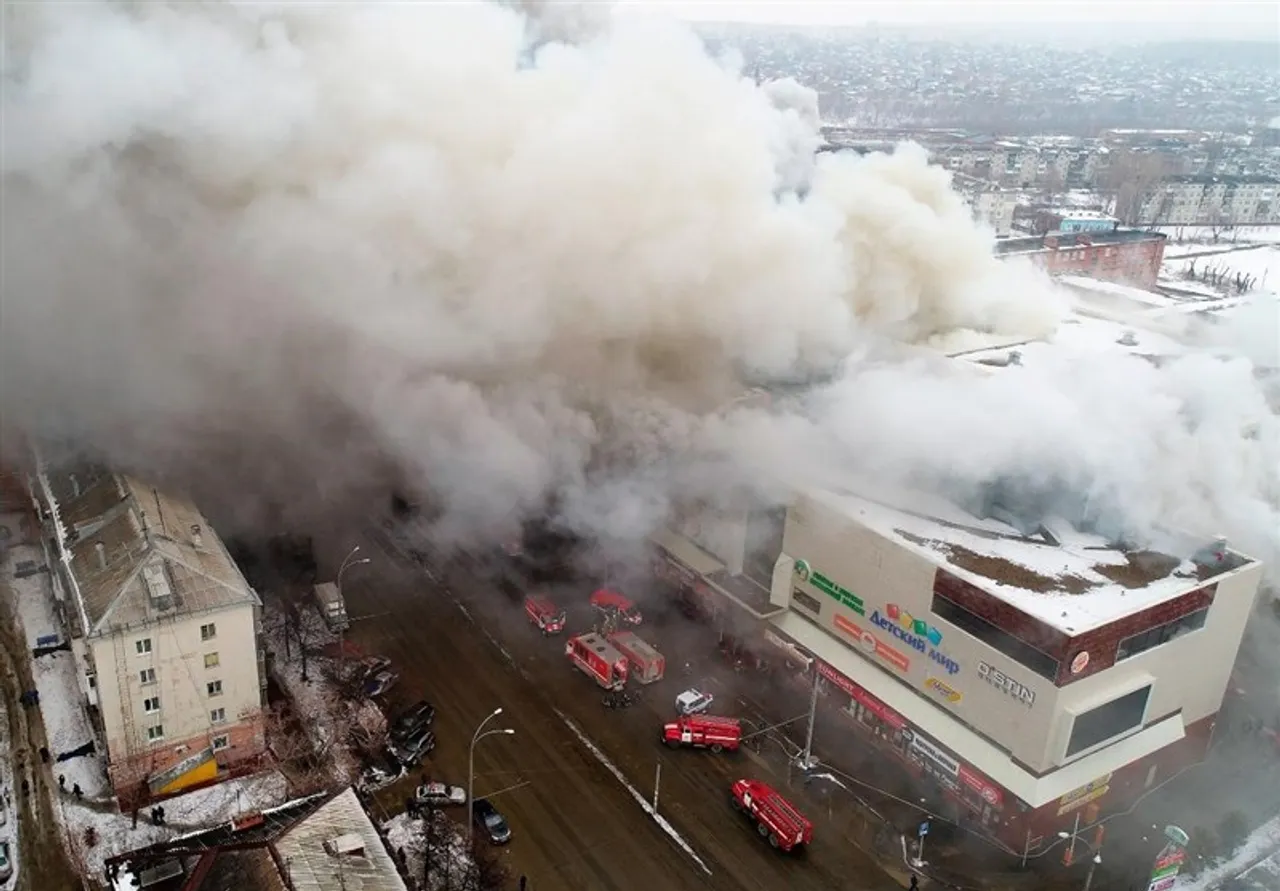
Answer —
1161 634
143 646
151 704
809 603
221 742
1108 721
211 660
155 732
1022 653
208 632
214 688
147 676
218 716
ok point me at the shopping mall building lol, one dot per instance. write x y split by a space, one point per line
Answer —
1039 669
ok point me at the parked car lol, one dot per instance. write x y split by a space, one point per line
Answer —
693 702
493 824
371 665
415 717
6 865
439 794
380 683
415 747
382 771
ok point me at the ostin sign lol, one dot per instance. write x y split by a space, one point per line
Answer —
1001 681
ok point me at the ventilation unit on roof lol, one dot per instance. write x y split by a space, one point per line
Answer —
349 845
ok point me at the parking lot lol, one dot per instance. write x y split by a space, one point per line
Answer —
575 824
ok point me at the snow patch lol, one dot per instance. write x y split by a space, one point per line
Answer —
1260 852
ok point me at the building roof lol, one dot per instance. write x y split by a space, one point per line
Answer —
138 554
1223 179
312 866
1069 579
1028 244
317 843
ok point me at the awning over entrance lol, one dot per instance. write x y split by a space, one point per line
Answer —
982 755
709 572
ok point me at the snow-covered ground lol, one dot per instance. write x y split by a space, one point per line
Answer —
8 813
1180 235
1259 856
315 696
62 705
202 809
450 860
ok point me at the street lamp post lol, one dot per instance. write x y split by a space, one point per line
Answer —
471 768
347 563
1088 879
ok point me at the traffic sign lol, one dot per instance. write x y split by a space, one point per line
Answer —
924 828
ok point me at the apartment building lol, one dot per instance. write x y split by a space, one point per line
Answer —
991 203
1213 200
164 628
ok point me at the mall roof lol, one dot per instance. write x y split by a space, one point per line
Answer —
1069 579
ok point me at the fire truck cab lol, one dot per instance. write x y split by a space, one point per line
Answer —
703 732
611 602
597 658
544 614
775 817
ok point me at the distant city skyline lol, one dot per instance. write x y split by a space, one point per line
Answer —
1190 19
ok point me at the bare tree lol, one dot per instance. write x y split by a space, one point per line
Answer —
367 728
488 871
1131 178
294 750
1052 186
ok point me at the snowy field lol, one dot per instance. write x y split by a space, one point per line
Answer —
450 860
8 812
1178 235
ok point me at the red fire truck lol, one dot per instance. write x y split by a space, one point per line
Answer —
612 602
597 657
776 819
544 614
646 663
703 732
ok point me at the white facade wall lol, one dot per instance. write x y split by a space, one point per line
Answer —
178 657
1188 674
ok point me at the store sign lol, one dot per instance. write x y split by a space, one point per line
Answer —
862 697
943 690
1077 803
915 633
872 645
1076 794
978 783
794 653
1007 685
842 596
928 750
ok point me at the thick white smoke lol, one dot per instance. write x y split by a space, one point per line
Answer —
281 254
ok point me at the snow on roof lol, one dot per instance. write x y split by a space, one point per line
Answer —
307 849
1082 334
1070 580
1090 286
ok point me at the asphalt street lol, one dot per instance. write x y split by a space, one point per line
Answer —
575 825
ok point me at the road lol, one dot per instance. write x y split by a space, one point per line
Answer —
575 825
43 863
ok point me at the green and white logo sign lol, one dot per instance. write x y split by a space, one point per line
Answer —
843 596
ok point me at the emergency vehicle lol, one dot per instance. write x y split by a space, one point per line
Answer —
544 614
597 658
775 818
646 663
703 732
611 602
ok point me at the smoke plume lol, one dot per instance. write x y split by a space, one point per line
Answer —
280 255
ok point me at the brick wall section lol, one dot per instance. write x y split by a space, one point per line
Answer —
245 748
1130 263
1004 616
1101 643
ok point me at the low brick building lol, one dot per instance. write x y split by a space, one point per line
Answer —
1124 256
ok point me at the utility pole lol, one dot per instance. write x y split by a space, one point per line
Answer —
813 715
347 563
657 781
